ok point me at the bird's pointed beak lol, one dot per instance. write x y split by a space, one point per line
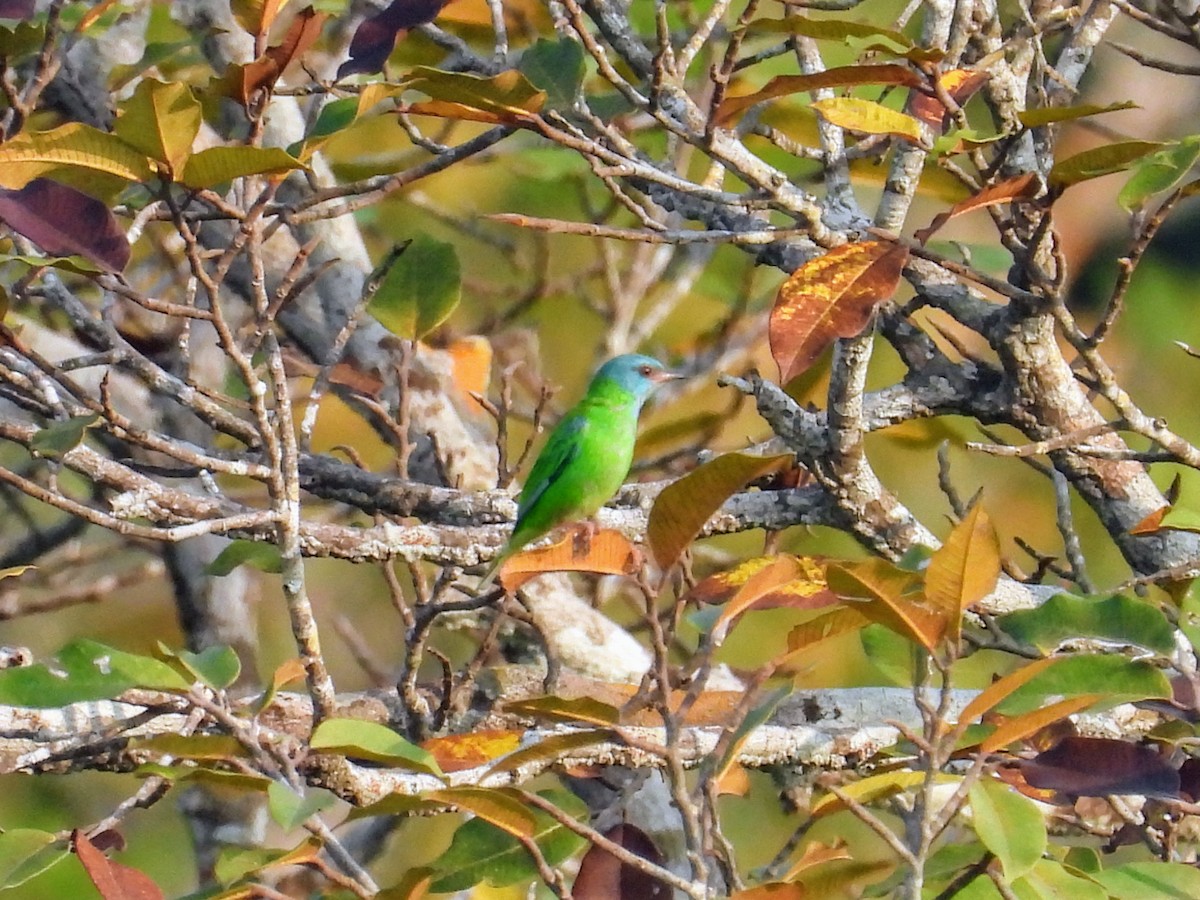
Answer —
662 376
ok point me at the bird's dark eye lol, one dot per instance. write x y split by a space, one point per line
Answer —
646 370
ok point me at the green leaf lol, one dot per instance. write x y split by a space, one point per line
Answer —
1050 880
371 741
192 746
217 165
55 440
1120 619
420 289
26 853
682 508
830 30
482 852
508 96
71 147
868 117
1034 118
161 120
75 264
217 667
1159 172
291 810
87 670
1121 679
893 656
1099 161
335 117
1009 824
1160 880
22 39
555 67
262 556
222 779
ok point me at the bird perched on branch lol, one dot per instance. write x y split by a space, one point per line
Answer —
587 455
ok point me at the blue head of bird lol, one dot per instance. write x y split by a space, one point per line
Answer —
635 373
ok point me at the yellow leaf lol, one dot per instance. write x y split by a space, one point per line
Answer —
869 117
32 154
886 590
964 569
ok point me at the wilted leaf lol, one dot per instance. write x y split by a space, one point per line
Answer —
964 569
1009 825
1018 728
374 39
26 853
161 121
556 68
243 82
456 752
419 290
1046 115
868 117
604 877
959 84
291 810
607 552
55 440
889 602
507 97
1159 172
1119 619
1099 161
841 76
682 508
831 296
217 165
64 221
359 739
1097 767
73 146
113 880
1012 190
482 852
257 554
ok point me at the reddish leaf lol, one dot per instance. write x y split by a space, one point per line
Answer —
1023 187
243 82
806 591
376 36
16 9
959 84
1097 767
607 552
829 297
603 877
113 880
63 222
842 76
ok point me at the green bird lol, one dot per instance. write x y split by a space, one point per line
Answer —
587 455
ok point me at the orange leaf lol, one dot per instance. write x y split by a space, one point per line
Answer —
682 508
498 806
830 297
807 591
1023 187
885 588
607 552
963 570
113 880
1000 689
456 752
1020 727
959 84
842 76
782 570
817 854
732 780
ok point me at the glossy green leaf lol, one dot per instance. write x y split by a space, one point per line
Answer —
257 554
161 121
682 508
482 852
1009 824
868 117
1051 880
56 439
420 289
1159 172
217 165
26 853
217 667
1100 161
555 67
893 656
291 810
1119 618
74 147
86 670
360 739
1160 880
1121 679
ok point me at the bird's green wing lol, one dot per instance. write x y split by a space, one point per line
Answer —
559 452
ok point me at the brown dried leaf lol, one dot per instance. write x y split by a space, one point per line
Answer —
113 880
1097 767
830 297
1023 187
374 39
959 84
244 81
842 76
604 877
